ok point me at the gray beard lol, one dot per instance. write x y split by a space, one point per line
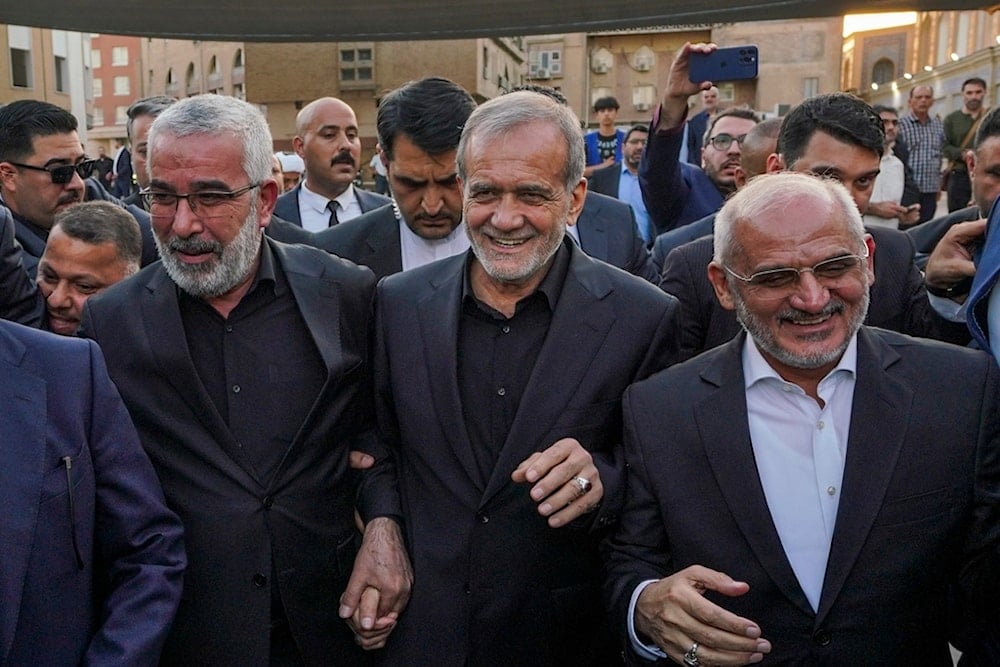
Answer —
217 276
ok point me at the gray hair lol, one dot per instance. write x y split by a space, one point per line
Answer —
496 118
213 115
100 222
783 190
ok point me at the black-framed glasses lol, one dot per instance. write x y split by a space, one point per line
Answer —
63 174
723 140
164 204
779 283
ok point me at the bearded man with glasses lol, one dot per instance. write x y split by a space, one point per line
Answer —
677 193
244 364
826 492
44 170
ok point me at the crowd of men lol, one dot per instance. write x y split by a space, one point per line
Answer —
258 415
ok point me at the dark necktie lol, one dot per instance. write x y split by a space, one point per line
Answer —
333 205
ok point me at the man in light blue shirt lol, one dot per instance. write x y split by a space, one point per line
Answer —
621 179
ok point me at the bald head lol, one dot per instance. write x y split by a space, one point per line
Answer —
760 142
327 141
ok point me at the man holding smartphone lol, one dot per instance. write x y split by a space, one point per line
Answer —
677 194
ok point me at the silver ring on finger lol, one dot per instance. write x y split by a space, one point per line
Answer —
582 484
691 657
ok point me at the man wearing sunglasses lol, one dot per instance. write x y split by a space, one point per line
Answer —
678 193
43 170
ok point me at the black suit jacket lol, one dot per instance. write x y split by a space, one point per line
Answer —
667 241
371 240
605 180
494 584
287 207
898 298
918 508
235 523
20 300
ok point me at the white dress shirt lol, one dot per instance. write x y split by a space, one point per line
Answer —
418 251
800 449
313 209
888 187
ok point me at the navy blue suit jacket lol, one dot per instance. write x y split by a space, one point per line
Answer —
92 558
287 207
675 192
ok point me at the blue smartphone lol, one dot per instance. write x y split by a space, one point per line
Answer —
732 63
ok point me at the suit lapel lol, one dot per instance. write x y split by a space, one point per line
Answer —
879 418
723 422
591 228
580 325
385 254
438 313
22 466
168 345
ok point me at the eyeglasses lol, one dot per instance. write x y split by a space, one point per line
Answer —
779 283
722 141
63 174
164 204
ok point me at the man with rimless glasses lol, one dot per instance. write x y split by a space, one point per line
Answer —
846 478
42 172
244 364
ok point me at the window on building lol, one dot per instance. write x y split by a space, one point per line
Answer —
239 92
120 115
727 92
883 71
19 42
357 64
98 87
810 87
95 58
486 64
598 92
643 97
119 56
122 86
190 83
544 61
238 58
98 116
62 74
213 66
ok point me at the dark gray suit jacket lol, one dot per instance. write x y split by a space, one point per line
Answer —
20 300
605 180
917 513
497 584
287 207
898 298
236 524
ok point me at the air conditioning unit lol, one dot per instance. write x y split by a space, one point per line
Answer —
643 65
600 68
542 73
642 106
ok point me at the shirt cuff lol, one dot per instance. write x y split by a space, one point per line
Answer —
645 651
946 308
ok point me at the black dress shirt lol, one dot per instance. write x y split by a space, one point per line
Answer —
496 356
260 365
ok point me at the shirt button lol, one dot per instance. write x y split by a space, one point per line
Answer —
501 392
483 518
786 388
268 502
505 328
236 389
259 580
820 424
831 490
229 328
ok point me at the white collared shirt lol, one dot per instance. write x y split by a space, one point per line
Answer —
800 449
313 209
417 251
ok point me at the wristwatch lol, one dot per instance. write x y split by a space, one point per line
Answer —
961 288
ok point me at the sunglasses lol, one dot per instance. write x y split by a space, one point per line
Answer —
64 173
